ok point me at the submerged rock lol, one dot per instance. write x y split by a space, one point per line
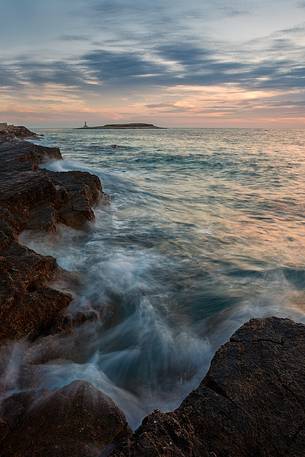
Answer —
77 420
251 402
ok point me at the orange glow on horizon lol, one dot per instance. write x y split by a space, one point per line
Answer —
181 105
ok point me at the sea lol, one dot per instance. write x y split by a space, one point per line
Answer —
205 230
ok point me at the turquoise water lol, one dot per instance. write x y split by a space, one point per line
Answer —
205 230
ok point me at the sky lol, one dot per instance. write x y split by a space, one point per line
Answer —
175 63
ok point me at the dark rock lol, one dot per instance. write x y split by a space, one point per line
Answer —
250 404
11 132
12 412
27 304
79 192
43 219
35 199
131 125
20 156
40 198
77 420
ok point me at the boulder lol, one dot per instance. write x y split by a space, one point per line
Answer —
250 404
77 420
40 199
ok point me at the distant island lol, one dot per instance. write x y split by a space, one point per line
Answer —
132 125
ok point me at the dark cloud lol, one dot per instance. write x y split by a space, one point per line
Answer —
165 65
53 72
110 66
70 37
8 77
185 53
195 66
291 77
25 71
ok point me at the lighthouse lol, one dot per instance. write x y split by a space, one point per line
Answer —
85 125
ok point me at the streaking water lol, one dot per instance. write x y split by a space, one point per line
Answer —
205 230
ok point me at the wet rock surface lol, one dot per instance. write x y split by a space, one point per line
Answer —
38 199
35 199
12 132
28 305
76 420
251 403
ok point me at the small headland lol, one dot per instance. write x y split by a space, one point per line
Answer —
132 125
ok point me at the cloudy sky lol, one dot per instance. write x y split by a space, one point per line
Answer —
172 62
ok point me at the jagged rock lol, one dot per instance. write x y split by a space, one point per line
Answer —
21 156
40 198
11 132
27 305
250 404
77 420
79 191
35 199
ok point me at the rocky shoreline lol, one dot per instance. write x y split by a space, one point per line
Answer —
35 199
251 402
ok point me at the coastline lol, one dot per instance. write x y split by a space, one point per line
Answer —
130 126
223 416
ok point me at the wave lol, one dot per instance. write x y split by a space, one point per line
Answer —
172 268
146 350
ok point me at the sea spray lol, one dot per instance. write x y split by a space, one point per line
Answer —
199 238
142 353
137 353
